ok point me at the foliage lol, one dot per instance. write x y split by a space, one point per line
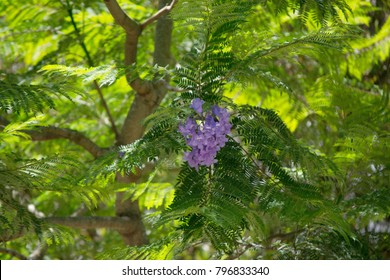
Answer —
303 174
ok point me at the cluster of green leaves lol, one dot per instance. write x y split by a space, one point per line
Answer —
28 183
43 52
305 170
263 169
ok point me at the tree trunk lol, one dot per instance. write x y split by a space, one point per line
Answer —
148 97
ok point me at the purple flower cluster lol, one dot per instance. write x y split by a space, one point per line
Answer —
205 134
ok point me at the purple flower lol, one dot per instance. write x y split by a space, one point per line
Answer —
207 137
188 129
197 105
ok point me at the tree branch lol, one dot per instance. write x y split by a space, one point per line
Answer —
163 37
163 11
91 64
105 106
121 18
133 31
148 97
145 105
128 208
13 253
122 224
117 223
44 133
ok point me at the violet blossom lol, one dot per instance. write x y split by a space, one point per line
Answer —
205 134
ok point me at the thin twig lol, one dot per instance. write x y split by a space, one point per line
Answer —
91 64
159 14
253 161
104 103
13 253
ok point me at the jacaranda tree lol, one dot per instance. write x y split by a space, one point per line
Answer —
194 129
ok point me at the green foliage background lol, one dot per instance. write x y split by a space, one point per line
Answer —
305 174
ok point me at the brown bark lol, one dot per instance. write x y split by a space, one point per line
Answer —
148 97
44 133
117 223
